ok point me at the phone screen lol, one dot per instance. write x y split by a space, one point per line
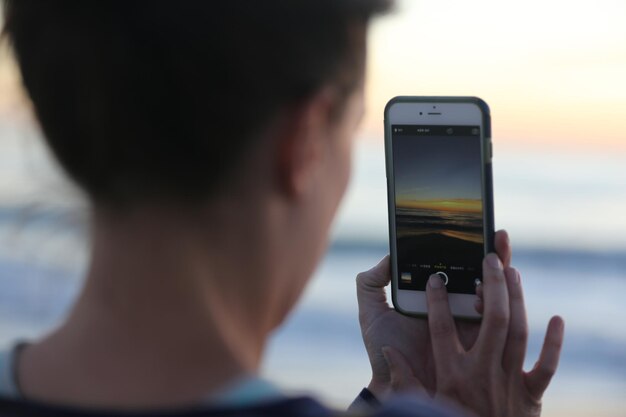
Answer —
439 209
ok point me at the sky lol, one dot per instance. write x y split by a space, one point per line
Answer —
436 168
552 71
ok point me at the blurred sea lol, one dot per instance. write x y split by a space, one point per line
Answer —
564 211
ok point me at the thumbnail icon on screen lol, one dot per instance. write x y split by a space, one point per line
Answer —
405 277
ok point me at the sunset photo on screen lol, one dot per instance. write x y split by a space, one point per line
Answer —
439 210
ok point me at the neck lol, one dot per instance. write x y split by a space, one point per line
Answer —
160 304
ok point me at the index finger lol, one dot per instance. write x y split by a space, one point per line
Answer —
441 325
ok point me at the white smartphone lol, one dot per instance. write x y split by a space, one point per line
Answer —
440 195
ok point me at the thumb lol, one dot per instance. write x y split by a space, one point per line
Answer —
370 291
377 277
402 378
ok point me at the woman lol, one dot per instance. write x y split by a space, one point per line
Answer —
213 140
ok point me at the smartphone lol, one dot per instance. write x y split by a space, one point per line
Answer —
439 180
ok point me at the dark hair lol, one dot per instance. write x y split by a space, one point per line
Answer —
155 99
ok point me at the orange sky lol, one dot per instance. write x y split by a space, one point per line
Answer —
553 72
459 205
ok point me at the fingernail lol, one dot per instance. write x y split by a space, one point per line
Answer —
493 261
435 281
516 277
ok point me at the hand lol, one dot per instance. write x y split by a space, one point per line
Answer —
488 378
382 326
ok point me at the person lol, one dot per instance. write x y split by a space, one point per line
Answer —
213 142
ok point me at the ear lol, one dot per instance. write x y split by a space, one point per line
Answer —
302 143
